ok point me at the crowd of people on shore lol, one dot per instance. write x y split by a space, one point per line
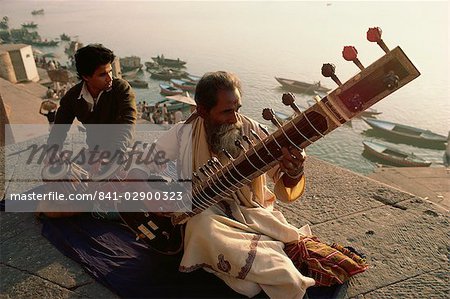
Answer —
158 114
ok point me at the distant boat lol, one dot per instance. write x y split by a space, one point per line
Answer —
393 155
37 12
29 25
64 37
166 74
173 105
302 87
193 78
161 60
183 85
131 74
45 43
283 117
169 90
138 83
408 132
151 65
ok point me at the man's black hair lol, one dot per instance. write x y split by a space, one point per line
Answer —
89 58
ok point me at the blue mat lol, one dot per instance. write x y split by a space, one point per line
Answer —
109 252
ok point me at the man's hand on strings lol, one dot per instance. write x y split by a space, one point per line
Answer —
291 163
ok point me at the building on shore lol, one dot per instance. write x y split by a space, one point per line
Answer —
17 63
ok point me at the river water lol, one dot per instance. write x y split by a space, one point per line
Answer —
261 40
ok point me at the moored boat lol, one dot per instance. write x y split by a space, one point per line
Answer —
406 132
65 37
394 155
161 60
166 74
149 65
193 78
183 85
138 83
169 90
302 87
29 25
283 117
37 12
45 43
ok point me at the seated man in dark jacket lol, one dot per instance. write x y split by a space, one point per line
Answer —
105 106
97 100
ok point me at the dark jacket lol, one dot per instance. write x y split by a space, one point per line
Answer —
115 111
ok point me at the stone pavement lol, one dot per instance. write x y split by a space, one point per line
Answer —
432 183
404 237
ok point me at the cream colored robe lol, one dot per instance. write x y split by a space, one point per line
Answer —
240 239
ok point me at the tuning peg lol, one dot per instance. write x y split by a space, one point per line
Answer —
268 114
264 129
374 35
227 154
195 175
239 144
328 70
207 169
216 162
203 171
289 100
351 54
212 165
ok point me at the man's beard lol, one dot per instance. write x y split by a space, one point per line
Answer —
221 137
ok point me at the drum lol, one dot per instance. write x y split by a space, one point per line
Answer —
66 176
63 177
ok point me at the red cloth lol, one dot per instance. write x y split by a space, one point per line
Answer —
327 265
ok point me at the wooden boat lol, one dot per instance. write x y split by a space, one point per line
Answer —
393 155
64 37
173 105
151 65
193 78
138 83
302 87
169 90
37 12
132 74
45 43
183 85
283 117
29 25
161 60
166 74
407 132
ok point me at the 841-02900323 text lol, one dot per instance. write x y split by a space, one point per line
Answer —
163 195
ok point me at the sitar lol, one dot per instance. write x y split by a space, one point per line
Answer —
164 233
